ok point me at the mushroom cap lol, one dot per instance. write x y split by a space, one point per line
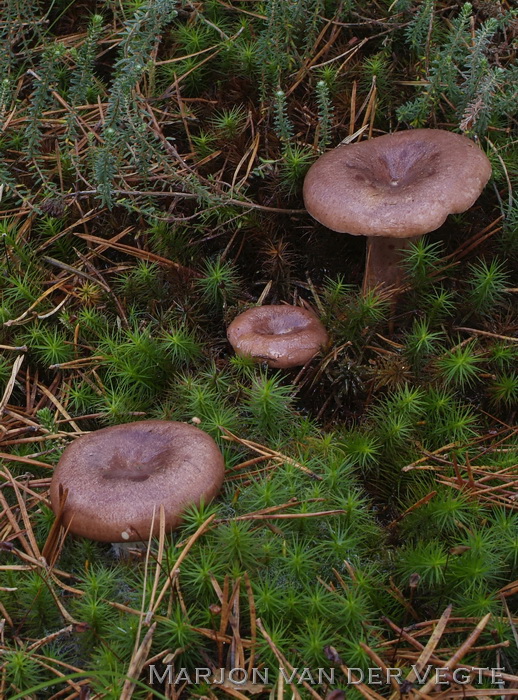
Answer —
283 336
401 184
117 476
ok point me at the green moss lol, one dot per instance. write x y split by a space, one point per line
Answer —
153 157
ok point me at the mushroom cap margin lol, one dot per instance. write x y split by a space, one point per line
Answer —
281 335
117 476
402 184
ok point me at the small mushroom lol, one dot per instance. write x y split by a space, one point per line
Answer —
393 189
117 477
282 336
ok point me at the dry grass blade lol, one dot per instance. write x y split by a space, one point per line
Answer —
381 665
12 529
22 507
289 516
487 484
50 638
10 384
253 622
431 670
138 253
430 645
57 403
137 663
421 502
283 662
159 559
19 319
351 677
24 460
57 534
267 452
172 575
509 589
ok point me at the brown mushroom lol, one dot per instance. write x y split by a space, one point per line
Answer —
280 335
117 477
393 189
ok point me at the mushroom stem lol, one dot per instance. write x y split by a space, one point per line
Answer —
383 261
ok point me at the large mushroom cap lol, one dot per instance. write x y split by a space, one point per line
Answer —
117 476
402 184
283 336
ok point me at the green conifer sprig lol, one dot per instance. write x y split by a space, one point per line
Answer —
282 124
44 82
325 114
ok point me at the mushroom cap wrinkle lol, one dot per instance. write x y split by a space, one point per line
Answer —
281 335
117 477
402 184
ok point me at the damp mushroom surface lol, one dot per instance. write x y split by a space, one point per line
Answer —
118 477
393 189
283 336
